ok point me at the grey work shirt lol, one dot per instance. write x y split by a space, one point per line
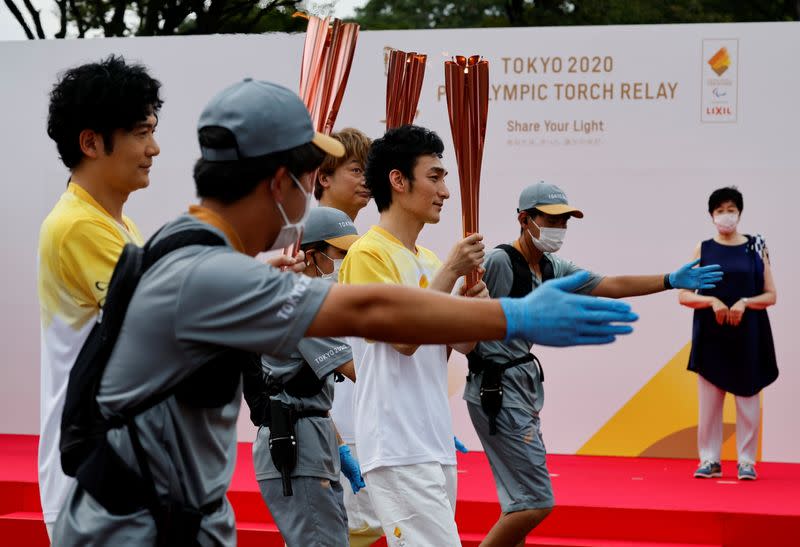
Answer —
191 305
317 453
522 386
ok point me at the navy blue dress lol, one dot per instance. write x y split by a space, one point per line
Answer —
741 359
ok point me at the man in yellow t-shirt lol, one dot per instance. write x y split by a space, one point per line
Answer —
403 428
102 117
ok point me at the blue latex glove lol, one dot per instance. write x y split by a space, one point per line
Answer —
553 316
460 446
351 469
689 277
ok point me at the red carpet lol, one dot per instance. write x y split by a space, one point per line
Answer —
611 502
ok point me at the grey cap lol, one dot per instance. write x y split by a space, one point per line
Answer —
264 118
547 198
331 226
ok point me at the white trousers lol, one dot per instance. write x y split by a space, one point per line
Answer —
416 504
709 425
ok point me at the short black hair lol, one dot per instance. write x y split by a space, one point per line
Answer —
230 181
103 97
721 195
398 149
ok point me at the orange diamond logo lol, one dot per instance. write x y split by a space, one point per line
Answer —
720 61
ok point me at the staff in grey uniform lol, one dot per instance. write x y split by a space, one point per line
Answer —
504 393
217 305
303 386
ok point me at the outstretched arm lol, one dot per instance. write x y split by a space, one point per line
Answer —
406 315
621 286
689 276
551 315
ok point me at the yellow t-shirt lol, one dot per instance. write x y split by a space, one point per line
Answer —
400 404
79 244
379 257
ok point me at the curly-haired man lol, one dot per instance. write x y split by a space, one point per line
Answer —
102 117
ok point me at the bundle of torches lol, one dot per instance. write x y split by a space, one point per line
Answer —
327 57
404 76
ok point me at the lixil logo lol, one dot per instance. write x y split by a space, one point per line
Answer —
719 111
720 61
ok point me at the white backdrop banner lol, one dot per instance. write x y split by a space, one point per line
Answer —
637 124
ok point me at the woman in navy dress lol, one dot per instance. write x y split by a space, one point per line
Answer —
732 347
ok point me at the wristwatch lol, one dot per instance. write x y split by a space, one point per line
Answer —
745 300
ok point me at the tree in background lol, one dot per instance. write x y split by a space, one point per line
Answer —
168 17
420 14
165 17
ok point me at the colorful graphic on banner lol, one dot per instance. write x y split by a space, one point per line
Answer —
720 81
660 420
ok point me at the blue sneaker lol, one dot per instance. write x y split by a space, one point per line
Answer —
708 470
747 472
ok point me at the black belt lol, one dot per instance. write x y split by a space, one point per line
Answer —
491 389
477 364
297 415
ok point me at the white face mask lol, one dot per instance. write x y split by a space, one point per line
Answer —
337 264
291 231
550 239
726 222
